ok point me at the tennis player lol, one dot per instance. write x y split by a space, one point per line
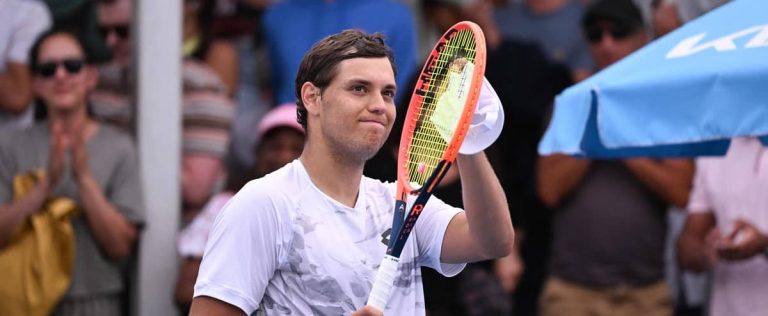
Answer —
308 238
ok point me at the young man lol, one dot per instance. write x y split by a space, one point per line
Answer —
308 238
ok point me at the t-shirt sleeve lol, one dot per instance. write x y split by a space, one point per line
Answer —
33 20
430 231
699 200
244 249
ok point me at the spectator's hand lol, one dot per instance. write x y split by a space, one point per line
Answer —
711 242
80 164
743 242
367 311
508 271
60 144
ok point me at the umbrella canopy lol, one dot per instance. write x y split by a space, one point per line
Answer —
685 94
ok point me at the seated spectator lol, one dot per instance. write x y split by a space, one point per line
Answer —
282 140
85 161
609 219
207 109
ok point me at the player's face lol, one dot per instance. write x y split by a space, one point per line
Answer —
358 107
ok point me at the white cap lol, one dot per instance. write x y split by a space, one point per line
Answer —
487 122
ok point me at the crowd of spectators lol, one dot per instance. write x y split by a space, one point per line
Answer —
638 236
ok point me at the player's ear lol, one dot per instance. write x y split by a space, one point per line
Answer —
310 96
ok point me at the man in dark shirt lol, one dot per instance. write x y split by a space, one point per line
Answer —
609 216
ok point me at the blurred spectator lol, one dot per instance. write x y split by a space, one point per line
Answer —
553 24
81 17
526 82
292 26
690 291
207 109
727 228
200 43
609 221
23 21
240 22
282 140
668 15
87 162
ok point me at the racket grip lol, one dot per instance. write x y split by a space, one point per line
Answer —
382 285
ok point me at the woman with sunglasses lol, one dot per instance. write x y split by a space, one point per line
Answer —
90 163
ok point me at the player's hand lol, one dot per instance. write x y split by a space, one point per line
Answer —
367 311
80 164
743 242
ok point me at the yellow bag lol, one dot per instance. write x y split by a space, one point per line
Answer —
37 262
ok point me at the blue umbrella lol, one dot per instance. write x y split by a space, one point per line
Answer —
685 94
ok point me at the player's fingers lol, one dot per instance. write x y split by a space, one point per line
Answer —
368 311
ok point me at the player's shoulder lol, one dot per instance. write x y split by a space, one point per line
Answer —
284 185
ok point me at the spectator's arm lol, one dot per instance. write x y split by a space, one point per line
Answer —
198 175
15 88
185 285
670 179
14 213
113 232
558 175
694 251
222 57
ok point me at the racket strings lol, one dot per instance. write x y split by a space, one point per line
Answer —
428 145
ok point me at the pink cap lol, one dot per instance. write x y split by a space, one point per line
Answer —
283 115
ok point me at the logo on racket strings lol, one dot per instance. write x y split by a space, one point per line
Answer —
426 75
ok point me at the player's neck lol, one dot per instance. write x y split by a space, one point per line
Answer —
338 179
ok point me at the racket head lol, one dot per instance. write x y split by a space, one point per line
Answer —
442 104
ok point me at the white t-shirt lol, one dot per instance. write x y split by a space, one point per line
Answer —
22 22
283 246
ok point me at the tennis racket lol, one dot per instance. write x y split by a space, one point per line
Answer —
439 115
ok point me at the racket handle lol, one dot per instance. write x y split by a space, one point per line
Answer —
382 285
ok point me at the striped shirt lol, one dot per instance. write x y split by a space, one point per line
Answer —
207 110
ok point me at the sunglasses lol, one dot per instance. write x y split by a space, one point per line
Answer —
122 31
48 69
595 32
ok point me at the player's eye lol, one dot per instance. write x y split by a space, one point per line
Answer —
390 94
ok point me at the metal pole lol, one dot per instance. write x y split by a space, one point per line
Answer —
159 139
